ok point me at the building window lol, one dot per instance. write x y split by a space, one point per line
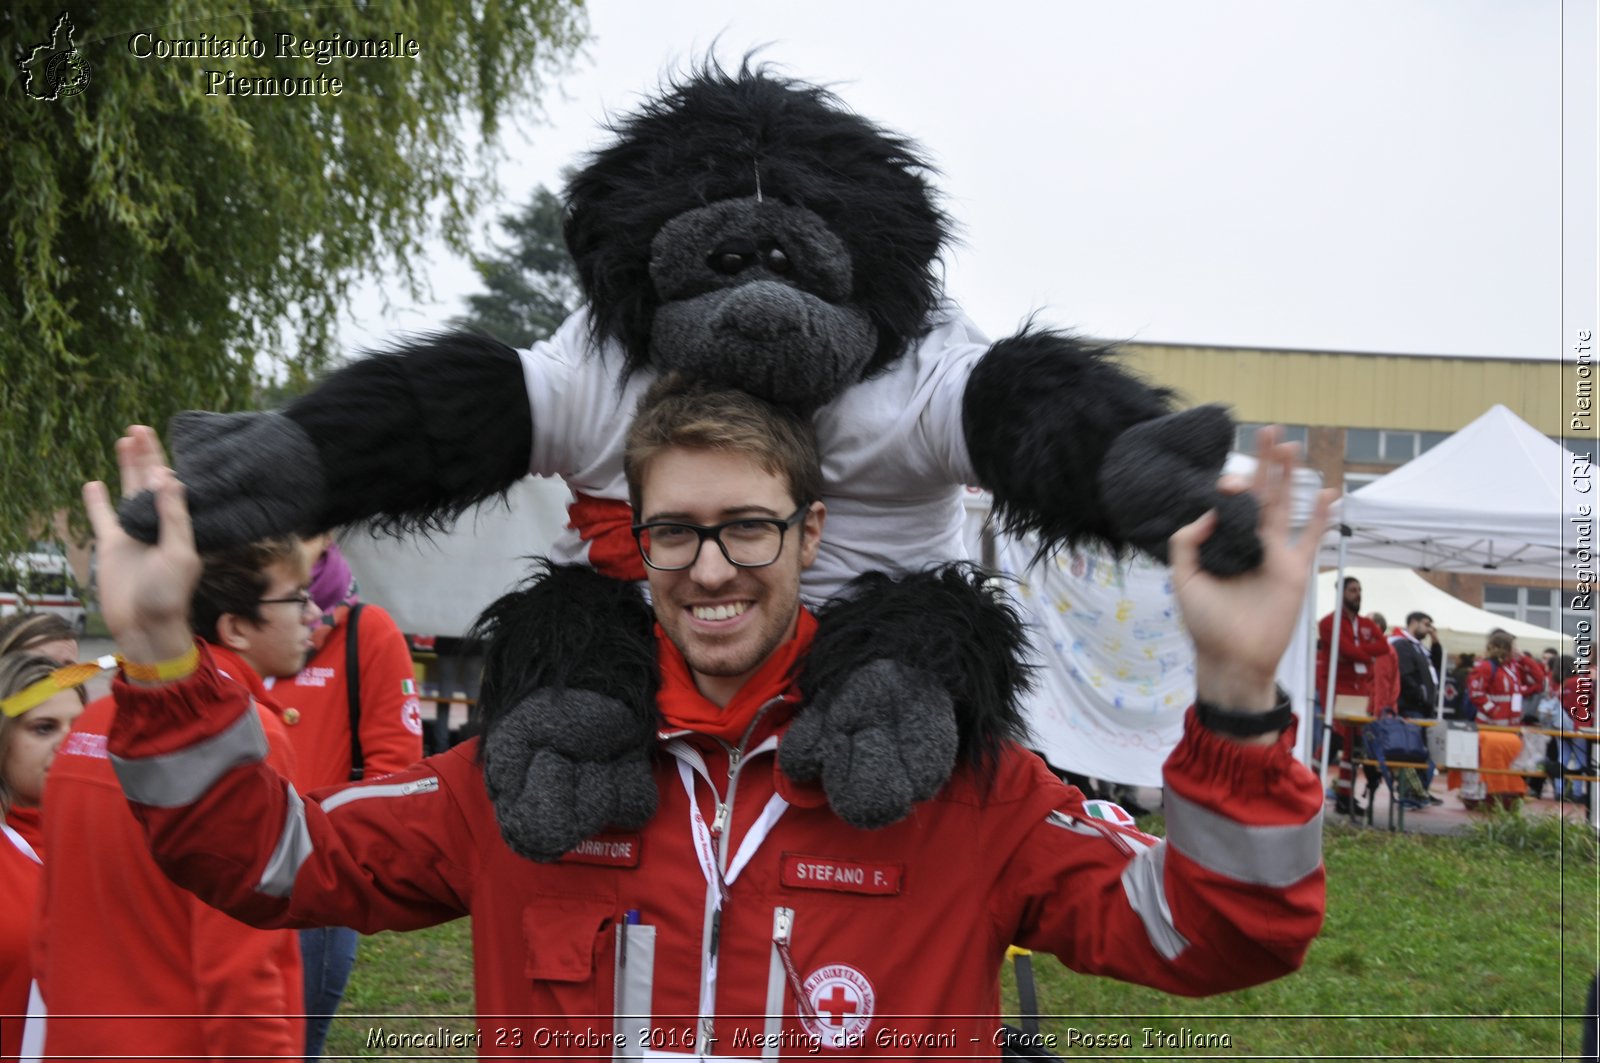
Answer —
1539 606
1361 444
1244 436
1388 446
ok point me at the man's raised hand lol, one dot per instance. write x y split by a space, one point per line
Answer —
145 588
1241 624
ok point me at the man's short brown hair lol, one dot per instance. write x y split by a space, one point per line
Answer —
677 412
234 581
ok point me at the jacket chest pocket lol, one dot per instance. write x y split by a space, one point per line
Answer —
567 942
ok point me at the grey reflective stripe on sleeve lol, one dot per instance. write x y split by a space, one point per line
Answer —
294 846
1142 881
1262 856
393 789
172 780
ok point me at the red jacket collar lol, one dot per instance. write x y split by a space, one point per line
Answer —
235 668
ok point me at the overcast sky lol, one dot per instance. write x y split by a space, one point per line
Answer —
1375 175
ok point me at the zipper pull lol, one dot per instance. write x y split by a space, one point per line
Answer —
719 822
716 930
782 927
782 924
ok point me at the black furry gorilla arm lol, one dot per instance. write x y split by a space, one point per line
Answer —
1076 448
905 676
407 438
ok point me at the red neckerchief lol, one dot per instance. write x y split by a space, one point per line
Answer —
231 663
684 707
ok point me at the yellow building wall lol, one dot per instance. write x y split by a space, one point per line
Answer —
1360 390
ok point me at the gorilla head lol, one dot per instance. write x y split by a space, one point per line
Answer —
750 230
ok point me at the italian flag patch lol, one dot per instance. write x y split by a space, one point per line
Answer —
408 687
1109 811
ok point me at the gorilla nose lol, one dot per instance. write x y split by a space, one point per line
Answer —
762 310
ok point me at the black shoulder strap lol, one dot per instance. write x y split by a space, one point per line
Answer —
352 682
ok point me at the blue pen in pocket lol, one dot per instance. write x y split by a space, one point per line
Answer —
636 958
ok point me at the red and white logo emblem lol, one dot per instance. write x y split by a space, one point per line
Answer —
411 715
844 1002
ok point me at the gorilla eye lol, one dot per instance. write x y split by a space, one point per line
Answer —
731 257
776 261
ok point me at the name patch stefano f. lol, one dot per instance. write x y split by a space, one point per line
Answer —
801 871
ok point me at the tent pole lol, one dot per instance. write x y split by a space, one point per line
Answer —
1444 670
1304 752
1333 658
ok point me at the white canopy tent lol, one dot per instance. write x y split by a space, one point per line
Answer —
1497 496
1394 592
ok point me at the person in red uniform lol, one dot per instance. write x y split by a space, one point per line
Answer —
127 960
746 904
37 712
1496 688
1384 697
316 711
1361 642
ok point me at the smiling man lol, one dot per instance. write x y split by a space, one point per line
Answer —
746 919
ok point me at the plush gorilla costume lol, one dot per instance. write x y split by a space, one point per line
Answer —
746 230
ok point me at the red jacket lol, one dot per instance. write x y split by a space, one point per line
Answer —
1496 690
1360 643
893 939
1385 695
118 941
316 705
19 896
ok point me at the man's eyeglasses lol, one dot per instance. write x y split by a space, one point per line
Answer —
303 600
749 542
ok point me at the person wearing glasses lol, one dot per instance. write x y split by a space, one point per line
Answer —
352 713
747 919
129 960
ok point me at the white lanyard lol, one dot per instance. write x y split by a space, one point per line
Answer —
717 882
704 845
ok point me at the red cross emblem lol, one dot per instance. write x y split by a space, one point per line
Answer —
843 1001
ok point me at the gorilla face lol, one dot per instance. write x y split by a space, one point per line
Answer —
755 294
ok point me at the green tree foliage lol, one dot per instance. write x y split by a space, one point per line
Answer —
532 285
168 247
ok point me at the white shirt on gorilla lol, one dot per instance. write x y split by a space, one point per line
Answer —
894 457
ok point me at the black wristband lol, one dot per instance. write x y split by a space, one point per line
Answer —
1245 724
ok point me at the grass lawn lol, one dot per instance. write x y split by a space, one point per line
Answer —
1472 945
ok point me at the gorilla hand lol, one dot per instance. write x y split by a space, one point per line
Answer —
245 475
882 741
903 677
1162 474
563 765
